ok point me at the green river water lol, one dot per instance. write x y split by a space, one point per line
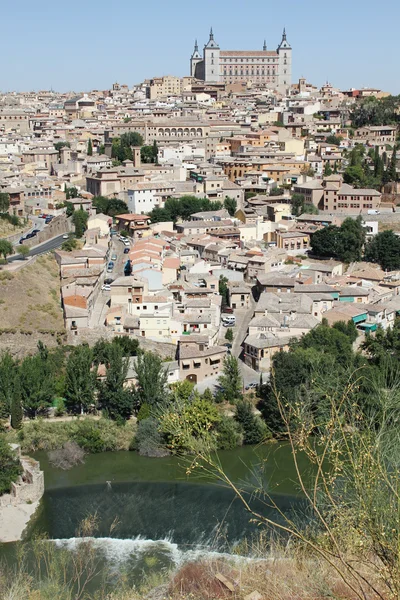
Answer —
162 517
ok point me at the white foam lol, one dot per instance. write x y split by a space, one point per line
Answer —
118 550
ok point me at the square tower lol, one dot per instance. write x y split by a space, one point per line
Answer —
212 60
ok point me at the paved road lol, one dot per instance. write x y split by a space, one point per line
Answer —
51 244
243 317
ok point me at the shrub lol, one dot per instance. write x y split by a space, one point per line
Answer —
149 441
67 457
10 467
254 429
144 412
229 435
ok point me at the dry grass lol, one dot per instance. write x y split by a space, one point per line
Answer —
38 283
280 578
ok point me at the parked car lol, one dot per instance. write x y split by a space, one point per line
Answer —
21 241
109 280
65 236
106 287
228 310
251 386
110 267
127 243
114 257
126 250
29 236
36 231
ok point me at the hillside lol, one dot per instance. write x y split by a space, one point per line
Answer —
29 303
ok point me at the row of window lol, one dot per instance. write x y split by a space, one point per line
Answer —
247 72
249 60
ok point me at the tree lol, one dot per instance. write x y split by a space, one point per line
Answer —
71 192
149 154
130 346
229 335
277 191
128 268
325 242
131 138
80 219
80 380
230 205
349 329
151 378
89 148
8 378
59 145
4 202
16 410
384 249
24 251
6 248
223 291
297 203
115 400
254 430
351 240
334 140
183 208
231 380
37 385
69 245
327 169
10 466
392 170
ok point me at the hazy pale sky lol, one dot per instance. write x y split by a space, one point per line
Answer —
82 45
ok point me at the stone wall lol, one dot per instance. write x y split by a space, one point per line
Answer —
19 344
30 485
58 226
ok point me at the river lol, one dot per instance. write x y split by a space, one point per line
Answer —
150 512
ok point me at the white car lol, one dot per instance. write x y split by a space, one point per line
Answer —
106 287
65 236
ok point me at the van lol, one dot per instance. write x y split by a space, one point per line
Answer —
374 212
228 320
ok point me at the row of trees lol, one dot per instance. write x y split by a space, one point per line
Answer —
371 170
374 111
182 208
347 243
121 148
109 206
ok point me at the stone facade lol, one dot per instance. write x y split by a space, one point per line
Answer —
272 69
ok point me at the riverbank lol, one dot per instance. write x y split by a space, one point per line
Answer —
15 519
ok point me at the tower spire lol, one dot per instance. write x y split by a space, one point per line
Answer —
211 34
196 46
284 34
265 46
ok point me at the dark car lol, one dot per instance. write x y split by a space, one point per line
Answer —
109 280
35 231
21 241
228 310
29 236
126 250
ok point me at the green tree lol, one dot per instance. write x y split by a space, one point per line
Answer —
349 328
130 346
392 170
230 205
24 251
229 335
16 408
327 169
114 398
230 379
59 145
334 140
4 202
297 203
223 291
71 192
6 248
151 376
254 430
80 380
131 138
8 377
80 219
90 148
351 240
277 191
325 242
10 466
37 385
384 249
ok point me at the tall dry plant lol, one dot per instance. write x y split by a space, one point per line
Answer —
352 488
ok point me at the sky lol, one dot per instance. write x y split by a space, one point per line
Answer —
79 45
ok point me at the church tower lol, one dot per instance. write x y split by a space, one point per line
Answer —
284 51
211 60
194 61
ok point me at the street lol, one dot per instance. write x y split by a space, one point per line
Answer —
51 244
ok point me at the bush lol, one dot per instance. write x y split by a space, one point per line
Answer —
10 467
254 429
88 436
67 457
144 412
229 435
149 441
